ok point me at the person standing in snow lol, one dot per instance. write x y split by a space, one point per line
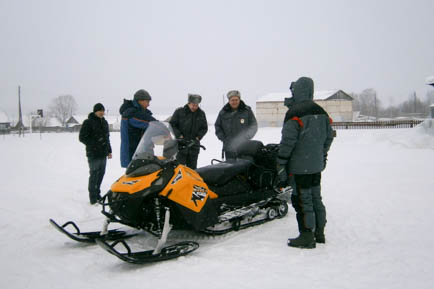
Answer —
235 124
135 120
306 140
189 123
94 133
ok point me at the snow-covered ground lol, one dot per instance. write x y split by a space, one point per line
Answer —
378 189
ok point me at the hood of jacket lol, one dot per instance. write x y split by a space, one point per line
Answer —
302 90
128 104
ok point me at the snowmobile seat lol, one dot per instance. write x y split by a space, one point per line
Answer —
221 173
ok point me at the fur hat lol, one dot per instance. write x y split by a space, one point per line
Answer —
142 94
233 93
194 98
98 107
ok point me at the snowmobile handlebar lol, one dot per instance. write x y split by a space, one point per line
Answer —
186 144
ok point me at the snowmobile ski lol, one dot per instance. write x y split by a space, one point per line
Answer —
144 257
89 237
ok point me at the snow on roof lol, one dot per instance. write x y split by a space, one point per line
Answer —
430 80
3 117
80 118
324 94
280 96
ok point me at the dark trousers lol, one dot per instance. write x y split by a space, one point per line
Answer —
96 174
188 158
307 202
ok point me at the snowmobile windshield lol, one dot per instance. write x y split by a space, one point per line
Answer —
156 141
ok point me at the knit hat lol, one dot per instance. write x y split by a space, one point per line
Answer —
98 107
194 98
233 93
142 94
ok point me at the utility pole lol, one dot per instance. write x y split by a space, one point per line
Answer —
20 125
414 103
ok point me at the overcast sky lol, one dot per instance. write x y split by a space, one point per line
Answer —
103 51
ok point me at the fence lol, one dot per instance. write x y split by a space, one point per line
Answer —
377 124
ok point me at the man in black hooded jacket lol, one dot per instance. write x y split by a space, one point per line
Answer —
189 123
306 140
94 133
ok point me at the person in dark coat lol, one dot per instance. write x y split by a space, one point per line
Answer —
135 120
306 139
235 124
189 123
94 133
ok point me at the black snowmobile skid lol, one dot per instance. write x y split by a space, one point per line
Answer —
143 257
90 237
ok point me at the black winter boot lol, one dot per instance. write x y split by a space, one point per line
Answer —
319 235
306 240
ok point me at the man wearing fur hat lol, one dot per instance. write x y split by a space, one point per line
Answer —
94 133
135 120
235 124
189 123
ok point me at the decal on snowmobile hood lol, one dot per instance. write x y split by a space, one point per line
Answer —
177 178
189 191
199 194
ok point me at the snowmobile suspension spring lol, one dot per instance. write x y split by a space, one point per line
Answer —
157 209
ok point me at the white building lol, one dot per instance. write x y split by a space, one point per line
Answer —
270 110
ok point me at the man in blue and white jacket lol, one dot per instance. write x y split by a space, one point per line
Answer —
135 120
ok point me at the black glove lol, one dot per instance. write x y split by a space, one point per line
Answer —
282 177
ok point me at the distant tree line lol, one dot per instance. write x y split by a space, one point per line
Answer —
369 104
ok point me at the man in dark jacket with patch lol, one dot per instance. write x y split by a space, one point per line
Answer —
94 133
189 123
306 140
135 120
235 124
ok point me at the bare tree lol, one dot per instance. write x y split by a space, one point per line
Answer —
414 105
369 102
63 107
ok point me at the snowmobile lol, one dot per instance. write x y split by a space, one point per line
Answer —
157 194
